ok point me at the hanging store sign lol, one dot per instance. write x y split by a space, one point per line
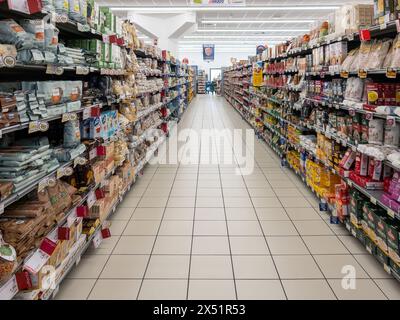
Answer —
208 52
260 49
218 3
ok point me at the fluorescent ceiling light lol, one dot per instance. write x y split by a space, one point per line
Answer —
226 41
253 30
224 8
238 36
278 21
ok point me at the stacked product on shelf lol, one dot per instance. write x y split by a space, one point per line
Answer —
329 106
75 134
192 91
201 82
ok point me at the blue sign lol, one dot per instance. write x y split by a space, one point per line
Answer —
208 52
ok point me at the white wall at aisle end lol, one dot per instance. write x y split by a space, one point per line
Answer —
222 59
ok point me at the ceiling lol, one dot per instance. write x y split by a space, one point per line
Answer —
234 34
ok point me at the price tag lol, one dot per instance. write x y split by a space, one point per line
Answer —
387 268
398 25
391 73
352 112
383 26
78 260
369 249
350 183
43 184
97 239
365 35
362 74
83 27
354 233
52 69
35 126
91 199
350 37
9 289
64 172
373 200
80 161
344 74
69 117
369 116
80 70
391 213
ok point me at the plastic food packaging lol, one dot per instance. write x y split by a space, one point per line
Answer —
12 33
8 259
72 134
375 133
62 6
392 135
379 50
50 36
395 61
36 29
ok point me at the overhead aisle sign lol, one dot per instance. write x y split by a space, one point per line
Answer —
208 52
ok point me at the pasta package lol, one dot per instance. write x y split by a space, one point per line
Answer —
12 33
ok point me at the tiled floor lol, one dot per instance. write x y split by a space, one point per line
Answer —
204 232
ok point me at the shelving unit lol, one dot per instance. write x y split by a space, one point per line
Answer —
284 111
114 150
201 82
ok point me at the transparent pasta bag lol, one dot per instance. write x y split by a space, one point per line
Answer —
395 63
8 259
48 5
12 33
379 51
36 29
61 6
50 35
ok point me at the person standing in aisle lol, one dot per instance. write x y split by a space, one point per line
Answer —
212 87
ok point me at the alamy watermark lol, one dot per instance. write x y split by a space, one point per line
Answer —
209 147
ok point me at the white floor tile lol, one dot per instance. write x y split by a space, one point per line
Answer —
173 245
148 214
278 228
248 246
75 289
210 246
113 289
211 267
286 246
168 267
163 289
308 290
134 245
89 267
335 266
212 290
254 267
364 290
244 228
210 228
125 267
260 290
210 214
176 228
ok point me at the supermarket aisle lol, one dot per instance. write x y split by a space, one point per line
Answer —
203 232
